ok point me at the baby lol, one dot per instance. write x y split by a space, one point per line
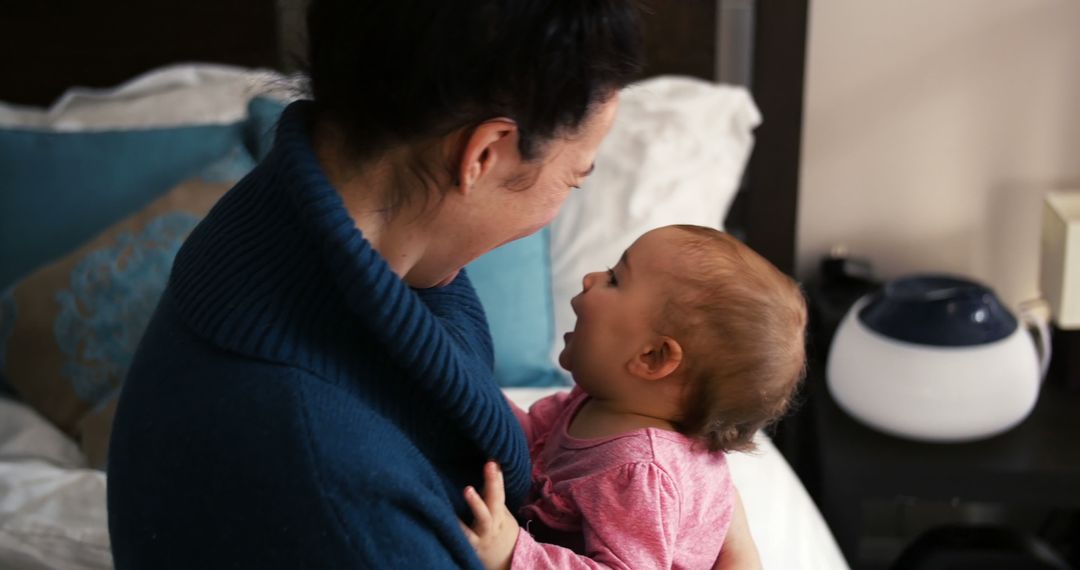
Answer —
681 352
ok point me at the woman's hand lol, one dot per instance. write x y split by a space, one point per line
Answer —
494 531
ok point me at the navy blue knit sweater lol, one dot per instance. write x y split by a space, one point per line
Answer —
294 404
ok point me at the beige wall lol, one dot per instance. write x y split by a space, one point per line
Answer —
932 129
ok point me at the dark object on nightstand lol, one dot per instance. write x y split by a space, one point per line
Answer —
1065 359
840 282
957 547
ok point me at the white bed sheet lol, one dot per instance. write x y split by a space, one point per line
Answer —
52 509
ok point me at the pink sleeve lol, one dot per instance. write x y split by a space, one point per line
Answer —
629 517
542 414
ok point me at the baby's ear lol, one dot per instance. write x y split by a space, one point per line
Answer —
656 360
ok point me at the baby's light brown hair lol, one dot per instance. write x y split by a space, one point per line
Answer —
742 325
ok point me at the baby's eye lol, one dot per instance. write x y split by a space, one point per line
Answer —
612 280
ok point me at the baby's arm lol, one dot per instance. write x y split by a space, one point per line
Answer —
626 537
494 531
739 551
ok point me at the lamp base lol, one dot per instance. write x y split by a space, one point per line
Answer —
1065 359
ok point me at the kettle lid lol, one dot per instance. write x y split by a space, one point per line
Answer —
938 310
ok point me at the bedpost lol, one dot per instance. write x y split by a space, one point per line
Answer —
771 207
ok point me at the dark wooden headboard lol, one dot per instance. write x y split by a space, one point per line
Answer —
47 46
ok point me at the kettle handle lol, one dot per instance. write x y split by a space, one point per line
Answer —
1034 318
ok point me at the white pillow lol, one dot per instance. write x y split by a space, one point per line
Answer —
52 509
52 517
169 96
25 434
675 155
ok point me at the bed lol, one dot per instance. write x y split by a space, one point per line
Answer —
148 152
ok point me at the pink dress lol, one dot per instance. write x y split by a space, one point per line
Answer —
638 500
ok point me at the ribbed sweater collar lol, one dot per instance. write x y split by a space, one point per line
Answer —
279 271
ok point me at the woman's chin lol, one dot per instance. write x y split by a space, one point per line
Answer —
448 279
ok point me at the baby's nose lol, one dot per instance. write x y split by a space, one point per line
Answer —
589 280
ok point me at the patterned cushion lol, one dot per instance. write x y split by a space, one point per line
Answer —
71 328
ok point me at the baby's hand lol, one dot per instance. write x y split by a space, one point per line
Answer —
494 531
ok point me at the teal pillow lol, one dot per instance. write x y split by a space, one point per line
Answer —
58 189
514 285
263 115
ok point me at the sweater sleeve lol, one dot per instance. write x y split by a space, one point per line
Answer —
629 519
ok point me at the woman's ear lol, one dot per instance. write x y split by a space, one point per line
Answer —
483 148
656 360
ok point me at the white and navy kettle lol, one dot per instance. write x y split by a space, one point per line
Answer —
936 358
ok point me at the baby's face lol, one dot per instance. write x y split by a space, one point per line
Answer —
616 311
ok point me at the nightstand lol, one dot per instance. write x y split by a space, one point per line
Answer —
1035 464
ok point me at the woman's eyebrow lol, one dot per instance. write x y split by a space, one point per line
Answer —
587 172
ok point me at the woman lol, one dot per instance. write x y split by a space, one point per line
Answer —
316 386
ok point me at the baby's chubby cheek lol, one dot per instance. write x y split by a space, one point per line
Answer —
569 358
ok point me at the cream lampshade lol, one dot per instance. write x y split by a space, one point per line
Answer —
1059 274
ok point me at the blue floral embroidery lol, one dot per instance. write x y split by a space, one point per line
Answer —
114 292
8 315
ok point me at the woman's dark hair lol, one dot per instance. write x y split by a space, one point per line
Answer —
389 72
